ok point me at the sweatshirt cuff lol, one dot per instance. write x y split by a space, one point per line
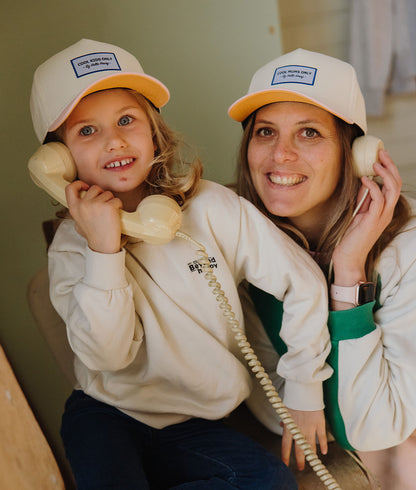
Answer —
105 271
351 324
304 396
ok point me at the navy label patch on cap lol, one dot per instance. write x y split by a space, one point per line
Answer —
94 62
294 74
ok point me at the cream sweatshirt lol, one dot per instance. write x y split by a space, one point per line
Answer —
148 335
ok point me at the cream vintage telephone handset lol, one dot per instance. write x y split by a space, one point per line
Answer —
156 219
364 153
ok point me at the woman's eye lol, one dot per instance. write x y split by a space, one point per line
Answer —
310 132
264 132
87 130
125 120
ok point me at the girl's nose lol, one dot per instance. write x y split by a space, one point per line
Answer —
114 140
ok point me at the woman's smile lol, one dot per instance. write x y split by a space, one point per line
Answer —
285 180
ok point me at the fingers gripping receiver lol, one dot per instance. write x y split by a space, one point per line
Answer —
156 219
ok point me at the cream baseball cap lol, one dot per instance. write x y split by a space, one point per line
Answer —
81 69
305 76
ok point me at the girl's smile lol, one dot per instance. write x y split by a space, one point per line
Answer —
118 164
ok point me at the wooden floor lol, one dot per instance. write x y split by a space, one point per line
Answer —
339 463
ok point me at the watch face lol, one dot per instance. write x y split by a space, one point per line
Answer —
366 293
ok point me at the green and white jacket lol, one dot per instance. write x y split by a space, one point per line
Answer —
371 397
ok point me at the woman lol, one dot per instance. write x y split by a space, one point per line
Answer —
300 117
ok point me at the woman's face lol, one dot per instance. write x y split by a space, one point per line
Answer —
294 158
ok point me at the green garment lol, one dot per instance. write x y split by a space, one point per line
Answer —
343 325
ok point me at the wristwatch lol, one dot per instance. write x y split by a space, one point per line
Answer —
361 293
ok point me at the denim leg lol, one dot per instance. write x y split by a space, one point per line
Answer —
108 449
208 455
103 446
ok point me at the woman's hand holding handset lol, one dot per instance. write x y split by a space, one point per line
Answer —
375 214
96 214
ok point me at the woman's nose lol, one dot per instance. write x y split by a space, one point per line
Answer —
283 150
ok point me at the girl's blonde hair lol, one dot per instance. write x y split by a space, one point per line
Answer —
346 192
169 174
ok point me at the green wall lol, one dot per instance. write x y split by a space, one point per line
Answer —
205 52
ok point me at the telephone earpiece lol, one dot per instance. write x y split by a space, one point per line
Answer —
365 152
52 168
156 219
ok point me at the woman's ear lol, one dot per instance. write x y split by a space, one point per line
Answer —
156 148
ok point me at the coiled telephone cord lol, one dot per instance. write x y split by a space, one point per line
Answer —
255 365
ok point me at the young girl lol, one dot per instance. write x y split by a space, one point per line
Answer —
302 113
156 362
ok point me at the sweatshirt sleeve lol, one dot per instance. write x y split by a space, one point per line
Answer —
266 351
371 397
91 293
353 323
274 263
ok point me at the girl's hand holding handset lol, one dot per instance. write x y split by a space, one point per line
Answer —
96 214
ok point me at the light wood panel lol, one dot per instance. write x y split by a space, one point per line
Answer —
26 460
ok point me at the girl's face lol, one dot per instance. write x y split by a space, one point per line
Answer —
110 138
294 159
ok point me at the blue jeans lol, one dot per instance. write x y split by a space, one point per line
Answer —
110 450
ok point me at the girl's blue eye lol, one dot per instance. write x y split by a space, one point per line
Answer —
125 120
87 130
